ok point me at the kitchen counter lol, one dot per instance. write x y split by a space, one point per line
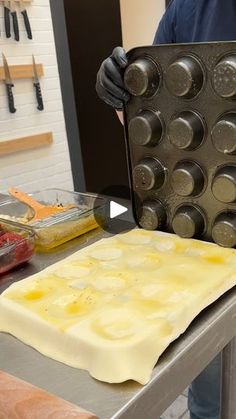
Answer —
213 329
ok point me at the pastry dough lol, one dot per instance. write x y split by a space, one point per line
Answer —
113 307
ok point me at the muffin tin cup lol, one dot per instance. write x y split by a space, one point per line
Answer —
184 77
146 128
224 74
224 229
142 77
223 133
186 131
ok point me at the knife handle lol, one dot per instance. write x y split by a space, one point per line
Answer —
27 24
15 26
7 22
10 97
39 96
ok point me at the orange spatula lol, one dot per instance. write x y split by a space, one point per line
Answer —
40 211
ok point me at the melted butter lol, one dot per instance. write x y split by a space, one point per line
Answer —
55 302
80 307
34 295
74 308
69 308
215 259
180 246
60 234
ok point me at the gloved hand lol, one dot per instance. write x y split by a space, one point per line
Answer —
110 86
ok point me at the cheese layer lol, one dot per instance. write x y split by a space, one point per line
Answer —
113 308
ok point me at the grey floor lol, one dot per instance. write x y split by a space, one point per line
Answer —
179 409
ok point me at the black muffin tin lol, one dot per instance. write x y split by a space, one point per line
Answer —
181 139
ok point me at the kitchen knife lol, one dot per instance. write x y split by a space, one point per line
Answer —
7 21
15 20
26 19
9 85
37 87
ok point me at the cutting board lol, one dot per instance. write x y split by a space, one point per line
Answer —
21 400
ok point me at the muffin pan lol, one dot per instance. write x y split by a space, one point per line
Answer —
181 139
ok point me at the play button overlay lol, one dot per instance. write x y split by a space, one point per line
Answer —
116 209
113 209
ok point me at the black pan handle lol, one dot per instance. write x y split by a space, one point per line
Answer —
15 26
10 98
27 24
7 22
39 96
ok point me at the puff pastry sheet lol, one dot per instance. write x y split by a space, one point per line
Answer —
113 307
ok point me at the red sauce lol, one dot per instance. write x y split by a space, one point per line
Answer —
14 249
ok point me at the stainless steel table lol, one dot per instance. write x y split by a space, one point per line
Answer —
208 335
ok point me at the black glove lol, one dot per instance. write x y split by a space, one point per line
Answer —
110 86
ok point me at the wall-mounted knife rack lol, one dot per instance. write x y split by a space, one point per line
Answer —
22 71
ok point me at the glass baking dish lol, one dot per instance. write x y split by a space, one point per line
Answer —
60 228
3 197
16 245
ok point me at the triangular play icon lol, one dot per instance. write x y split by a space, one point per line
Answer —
116 209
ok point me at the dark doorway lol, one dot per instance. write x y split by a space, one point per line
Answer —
94 29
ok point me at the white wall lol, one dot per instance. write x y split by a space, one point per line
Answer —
140 19
48 166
